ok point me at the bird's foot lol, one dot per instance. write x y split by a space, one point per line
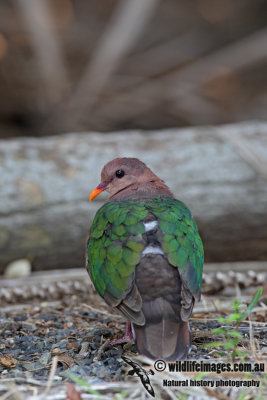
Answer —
127 337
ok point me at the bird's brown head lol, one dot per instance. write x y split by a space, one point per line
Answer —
122 173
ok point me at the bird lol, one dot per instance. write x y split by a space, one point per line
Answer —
141 373
145 258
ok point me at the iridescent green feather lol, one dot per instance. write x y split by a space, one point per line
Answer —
118 237
116 240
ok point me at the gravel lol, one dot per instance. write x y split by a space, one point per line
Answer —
34 337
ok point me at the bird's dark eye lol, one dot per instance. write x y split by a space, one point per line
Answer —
119 173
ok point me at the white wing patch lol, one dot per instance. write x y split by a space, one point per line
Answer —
152 250
149 226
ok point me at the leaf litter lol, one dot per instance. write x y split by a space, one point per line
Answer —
50 339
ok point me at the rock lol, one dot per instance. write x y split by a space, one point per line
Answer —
18 269
45 358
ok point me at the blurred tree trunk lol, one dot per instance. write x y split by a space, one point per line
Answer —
219 172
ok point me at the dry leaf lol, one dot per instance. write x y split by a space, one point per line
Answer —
73 346
66 361
7 361
72 393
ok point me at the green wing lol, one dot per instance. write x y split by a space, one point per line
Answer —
181 242
115 246
117 240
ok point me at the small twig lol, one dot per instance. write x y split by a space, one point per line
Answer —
84 352
29 381
251 339
51 376
214 337
8 394
98 311
134 394
101 350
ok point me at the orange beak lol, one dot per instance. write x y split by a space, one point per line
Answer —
98 190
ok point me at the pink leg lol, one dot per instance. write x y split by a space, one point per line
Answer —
127 337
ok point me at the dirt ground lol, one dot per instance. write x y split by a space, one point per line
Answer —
56 332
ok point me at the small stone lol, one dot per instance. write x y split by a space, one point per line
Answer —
29 326
62 344
45 358
17 373
100 332
102 372
18 268
29 366
48 317
22 317
40 346
4 372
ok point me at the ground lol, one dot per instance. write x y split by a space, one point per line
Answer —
54 332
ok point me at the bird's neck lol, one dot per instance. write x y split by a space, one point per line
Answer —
142 191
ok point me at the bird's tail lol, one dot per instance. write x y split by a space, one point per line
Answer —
163 336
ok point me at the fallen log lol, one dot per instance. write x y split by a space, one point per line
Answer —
219 172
